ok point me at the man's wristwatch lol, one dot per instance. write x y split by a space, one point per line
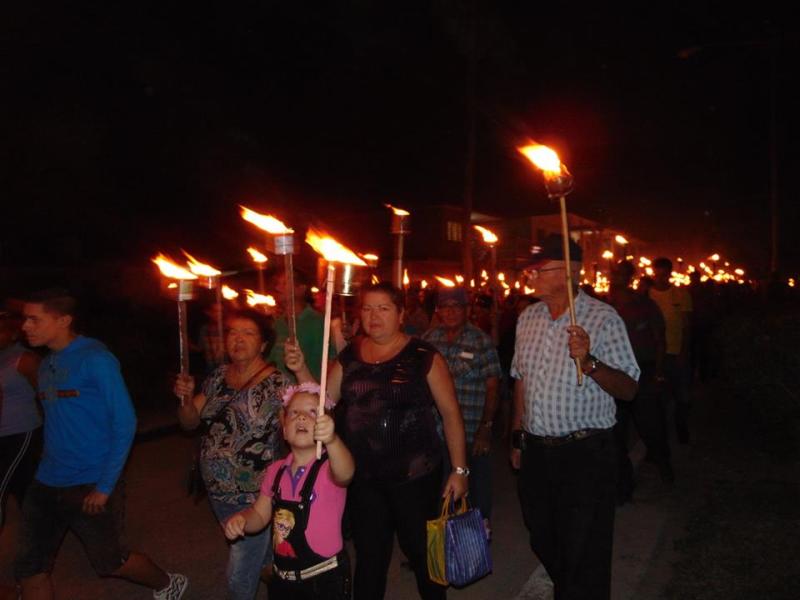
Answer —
461 471
594 364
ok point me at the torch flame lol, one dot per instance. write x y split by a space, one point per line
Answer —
398 211
714 257
445 282
488 236
459 279
169 269
620 239
255 299
201 269
608 255
331 250
370 256
256 256
266 223
542 157
406 280
229 293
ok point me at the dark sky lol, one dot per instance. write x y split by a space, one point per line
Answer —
132 124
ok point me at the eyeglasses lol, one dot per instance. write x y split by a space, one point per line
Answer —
535 272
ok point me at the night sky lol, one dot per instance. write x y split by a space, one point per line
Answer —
131 127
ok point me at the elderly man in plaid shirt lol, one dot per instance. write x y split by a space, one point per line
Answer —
475 367
562 441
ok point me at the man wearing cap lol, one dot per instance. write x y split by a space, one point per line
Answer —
562 440
475 368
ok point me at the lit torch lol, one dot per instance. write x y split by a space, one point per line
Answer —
399 229
178 284
558 183
333 252
491 240
280 241
260 261
209 278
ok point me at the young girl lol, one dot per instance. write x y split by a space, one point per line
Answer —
306 497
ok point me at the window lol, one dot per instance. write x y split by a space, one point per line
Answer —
453 231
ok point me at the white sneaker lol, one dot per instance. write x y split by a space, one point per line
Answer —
175 589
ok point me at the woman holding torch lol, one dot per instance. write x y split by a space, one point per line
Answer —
237 409
386 385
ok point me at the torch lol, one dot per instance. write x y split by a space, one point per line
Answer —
280 241
260 261
178 285
399 229
209 278
255 299
333 252
490 239
558 183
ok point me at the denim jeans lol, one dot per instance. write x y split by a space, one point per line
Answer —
247 555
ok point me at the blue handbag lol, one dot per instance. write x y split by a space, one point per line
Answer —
466 546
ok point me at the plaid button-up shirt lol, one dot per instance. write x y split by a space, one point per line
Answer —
472 359
554 403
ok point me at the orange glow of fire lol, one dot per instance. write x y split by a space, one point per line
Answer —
229 293
374 279
406 280
488 236
445 282
608 255
331 250
256 256
169 269
542 157
484 274
256 299
266 223
472 283
201 269
423 284
398 211
621 240
459 279
714 257
370 256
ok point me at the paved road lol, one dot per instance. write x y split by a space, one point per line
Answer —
183 536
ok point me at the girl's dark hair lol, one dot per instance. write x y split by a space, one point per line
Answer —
395 294
262 321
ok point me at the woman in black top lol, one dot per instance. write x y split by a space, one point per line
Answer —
387 386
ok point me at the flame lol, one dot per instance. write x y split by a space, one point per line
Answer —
459 279
445 282
229 293
255 299
472 283
370 256
644 261
714 257
398 211
266 223
201 269
331 250
484 274
314 289
621 240
608 255
423 284
169 269
791 282
488 236
542 157
374 279
256 256
529 290
406 280
516 285
501 276
172 286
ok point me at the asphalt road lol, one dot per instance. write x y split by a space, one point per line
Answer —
183 536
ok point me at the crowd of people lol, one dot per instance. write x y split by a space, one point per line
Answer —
419 388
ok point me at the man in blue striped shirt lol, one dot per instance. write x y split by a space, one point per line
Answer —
562 439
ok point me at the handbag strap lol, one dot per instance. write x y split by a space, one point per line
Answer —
449 507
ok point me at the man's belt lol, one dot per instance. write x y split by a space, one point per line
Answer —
317 569
560 440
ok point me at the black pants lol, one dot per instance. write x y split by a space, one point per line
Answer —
331 585
567 495
18 456
376 513
649 414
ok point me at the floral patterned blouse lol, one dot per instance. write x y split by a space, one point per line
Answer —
242 435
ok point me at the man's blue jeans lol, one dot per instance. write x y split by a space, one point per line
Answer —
247 555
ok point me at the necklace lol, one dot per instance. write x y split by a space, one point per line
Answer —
376 353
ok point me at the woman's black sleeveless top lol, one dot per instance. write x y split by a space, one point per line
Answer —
386 414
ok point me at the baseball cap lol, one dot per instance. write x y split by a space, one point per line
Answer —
552 248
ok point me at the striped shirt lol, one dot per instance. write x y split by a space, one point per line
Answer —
554 404
472 359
